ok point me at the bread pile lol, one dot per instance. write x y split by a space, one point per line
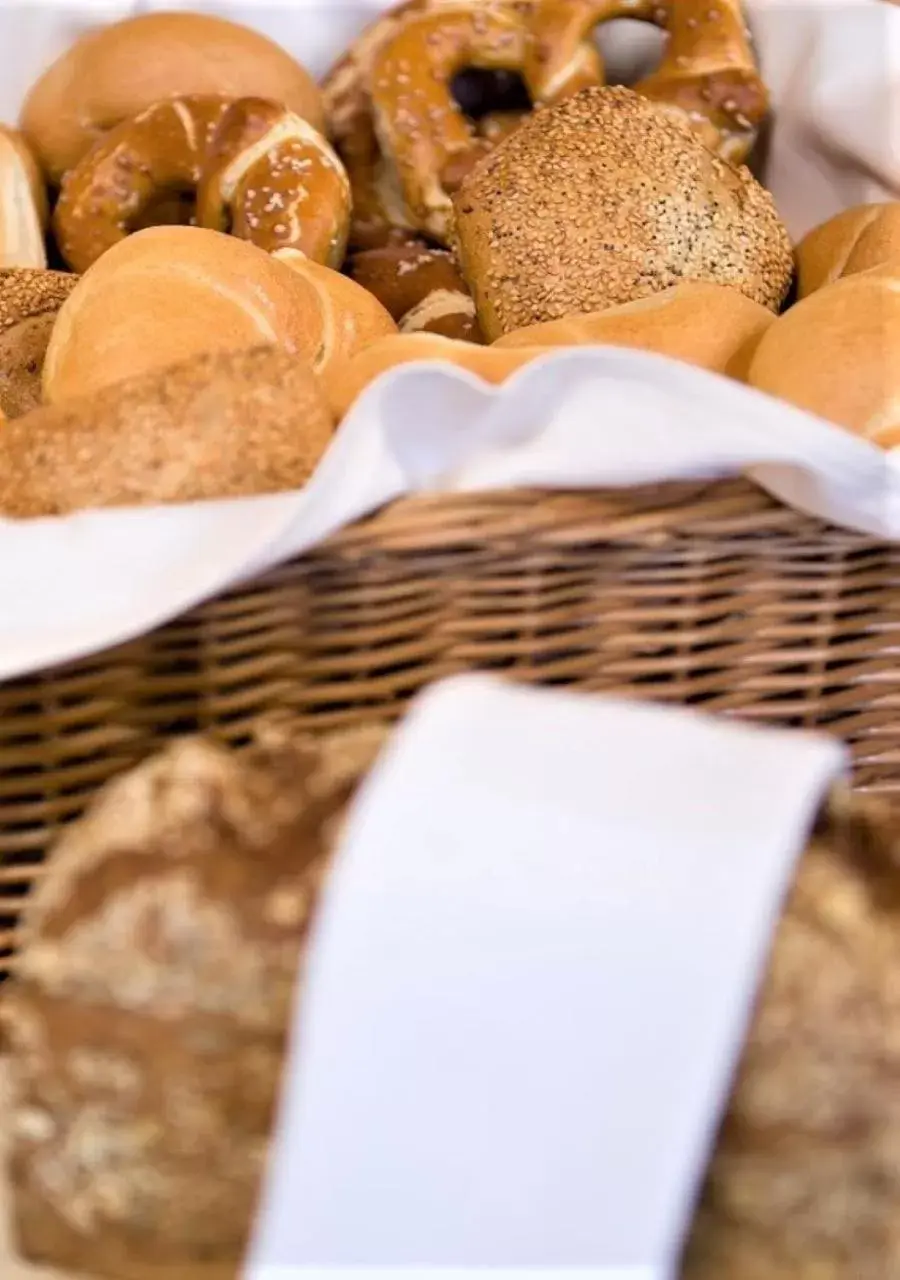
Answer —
463 186
149 1016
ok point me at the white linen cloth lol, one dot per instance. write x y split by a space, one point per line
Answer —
602 417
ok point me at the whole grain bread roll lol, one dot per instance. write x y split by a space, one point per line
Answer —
148 1019
837 354
604 199
226 425
117 70
29 302
853 241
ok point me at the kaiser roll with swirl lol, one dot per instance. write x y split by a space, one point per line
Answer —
166 293
604 199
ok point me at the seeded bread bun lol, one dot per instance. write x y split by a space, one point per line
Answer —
29 302
116 71
603 199
225 425
856 240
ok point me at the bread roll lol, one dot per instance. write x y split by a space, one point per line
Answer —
116 71
167 293
856 240
197 874
707 325
342 317
606 198
29 302
23 204
837 354
147 1030
226 425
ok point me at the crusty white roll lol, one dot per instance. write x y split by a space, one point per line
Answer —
837 354
710 326
225 425
343 318
23 204
856 240
114 72
167 293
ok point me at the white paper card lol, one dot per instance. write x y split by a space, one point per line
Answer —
529 988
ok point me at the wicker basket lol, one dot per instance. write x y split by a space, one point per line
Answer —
711 595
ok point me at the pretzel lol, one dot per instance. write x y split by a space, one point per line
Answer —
422 289
708 73
380 215
237 175
707 76
271 178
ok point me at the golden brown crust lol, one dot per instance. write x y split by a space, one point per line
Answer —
225 425
196 875
605 199
421 287
854 241
837 354
117 71
167 293
23 204
269 177
26 292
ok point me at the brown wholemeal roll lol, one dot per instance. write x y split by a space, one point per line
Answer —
225 425
853 241
837 354
604 199
147 1028
29 302
116 71
166 293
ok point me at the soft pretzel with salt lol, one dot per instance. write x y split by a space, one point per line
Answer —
255 168
419 145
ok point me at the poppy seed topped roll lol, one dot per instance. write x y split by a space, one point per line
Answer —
604 199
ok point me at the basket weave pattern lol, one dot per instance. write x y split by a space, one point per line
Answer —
706 595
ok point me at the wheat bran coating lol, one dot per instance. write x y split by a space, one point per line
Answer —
605 199
28 291
224 425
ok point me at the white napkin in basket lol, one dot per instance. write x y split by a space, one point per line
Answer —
602 417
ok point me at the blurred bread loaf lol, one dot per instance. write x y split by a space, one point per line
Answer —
224 425
150 1018
29 302
604 199
856 240
837 354
166 293
23 204
710 326
147 1028
117 70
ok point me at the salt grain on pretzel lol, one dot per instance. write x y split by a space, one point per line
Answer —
271 178
270 175
707 74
